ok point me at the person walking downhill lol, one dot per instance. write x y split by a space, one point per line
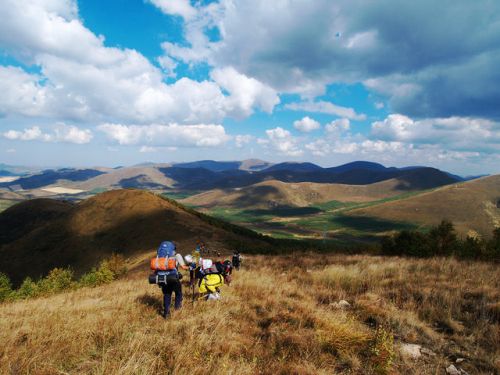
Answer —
236 260
166 266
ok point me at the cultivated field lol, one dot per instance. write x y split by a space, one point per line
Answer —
280 316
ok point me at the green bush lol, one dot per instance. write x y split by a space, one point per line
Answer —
57 280
5 287
98 276
382 351
472 247
28 289
60 279
116 264
441 240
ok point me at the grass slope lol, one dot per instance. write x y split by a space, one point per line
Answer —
276 193
276 318
46 233
471 206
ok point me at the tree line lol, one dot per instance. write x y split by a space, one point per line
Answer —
442 240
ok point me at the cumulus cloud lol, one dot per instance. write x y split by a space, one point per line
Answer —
60 133
281 141
181 8
173 135
326 107
241 140
338 127
82 79
454 72
245 92
459 133
306 124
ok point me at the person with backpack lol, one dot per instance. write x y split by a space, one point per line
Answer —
166 266
236 261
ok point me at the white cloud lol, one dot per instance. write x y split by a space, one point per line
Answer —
459 133
168 65
306 124
326 107
60 133
173 135
181 8
281 141
82 79
324 147
379 105
10 150
338 127
241 140
149 149
245 92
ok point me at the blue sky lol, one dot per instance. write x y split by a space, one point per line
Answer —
118 82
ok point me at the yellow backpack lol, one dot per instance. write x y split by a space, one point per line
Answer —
209 283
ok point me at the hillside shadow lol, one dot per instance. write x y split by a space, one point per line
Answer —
285 211
255 195
150 302
370 224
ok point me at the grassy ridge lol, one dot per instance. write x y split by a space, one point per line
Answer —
278 316
5 203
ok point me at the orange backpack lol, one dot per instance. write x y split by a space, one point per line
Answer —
163 264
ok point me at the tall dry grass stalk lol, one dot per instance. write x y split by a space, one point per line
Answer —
278 317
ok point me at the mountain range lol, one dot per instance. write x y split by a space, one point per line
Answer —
208 174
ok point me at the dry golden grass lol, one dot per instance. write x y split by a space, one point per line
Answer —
471 206
300 194
278 317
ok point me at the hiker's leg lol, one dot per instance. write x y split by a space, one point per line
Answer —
167 297
178 295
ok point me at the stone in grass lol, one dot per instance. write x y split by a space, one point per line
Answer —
411 351
342 305
452 370
428 352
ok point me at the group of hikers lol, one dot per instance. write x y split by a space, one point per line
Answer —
206 275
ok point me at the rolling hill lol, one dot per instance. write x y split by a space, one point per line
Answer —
471 206
40 234
274 193
127 177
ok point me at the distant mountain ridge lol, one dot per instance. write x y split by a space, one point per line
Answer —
211 174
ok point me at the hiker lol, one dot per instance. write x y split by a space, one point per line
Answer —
167 275
236 259
191 263
211 279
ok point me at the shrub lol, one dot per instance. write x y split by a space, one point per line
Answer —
57 280
443 239
493 246
98 276
116 264
472 247
382 351
28 289
5 287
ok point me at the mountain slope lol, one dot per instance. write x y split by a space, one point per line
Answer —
471 205
50 177
137 177
203 179
274 193
120 221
